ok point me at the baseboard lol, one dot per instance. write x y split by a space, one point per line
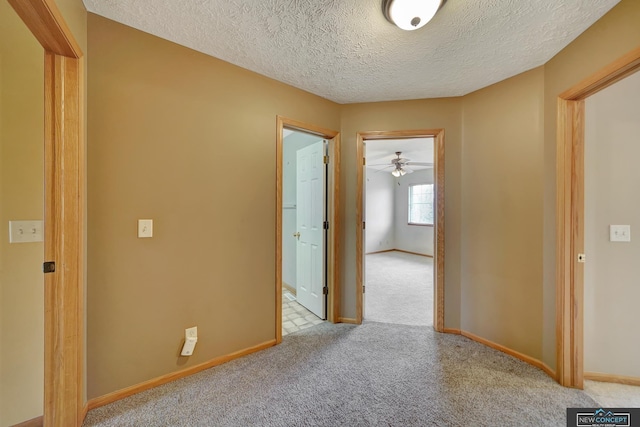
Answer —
398 250
609 378
34 422
548 370
348 320
380 252
289 288
134 389
528 359
413 253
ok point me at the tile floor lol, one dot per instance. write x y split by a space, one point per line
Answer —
294 316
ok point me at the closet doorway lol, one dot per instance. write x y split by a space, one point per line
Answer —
308 159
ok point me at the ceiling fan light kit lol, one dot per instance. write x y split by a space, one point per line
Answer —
398 172
410 14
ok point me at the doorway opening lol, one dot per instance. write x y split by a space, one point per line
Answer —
610 275
400 237
307 192
570 217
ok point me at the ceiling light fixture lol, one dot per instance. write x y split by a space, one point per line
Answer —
398 172
410 14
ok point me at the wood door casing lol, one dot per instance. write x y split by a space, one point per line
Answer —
64 206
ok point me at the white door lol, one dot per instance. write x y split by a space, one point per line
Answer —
310 250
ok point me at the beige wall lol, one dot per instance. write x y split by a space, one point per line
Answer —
611 291
502 183
608 39
189 141
164 122
75 15
493 206
21 198
420 114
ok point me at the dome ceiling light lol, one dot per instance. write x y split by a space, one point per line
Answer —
410 14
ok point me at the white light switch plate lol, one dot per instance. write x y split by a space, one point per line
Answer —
145 228
26 231
619 233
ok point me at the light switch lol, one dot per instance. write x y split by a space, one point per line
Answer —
145 228
619 233
25 231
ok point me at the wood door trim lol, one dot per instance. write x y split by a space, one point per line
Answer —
570 216
34 422
63 242
438 135
617 70
64 201
45 21
333 260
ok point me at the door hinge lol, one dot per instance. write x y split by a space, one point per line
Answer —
364 289
582 258
326 160
364 162
364 225
325 291
325 225
49 267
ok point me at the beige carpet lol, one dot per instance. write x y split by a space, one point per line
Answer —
375 374
399 288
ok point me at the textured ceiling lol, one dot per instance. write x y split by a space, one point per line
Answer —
346 51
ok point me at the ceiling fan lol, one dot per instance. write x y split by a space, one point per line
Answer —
400 164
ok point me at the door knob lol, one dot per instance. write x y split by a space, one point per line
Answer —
297 235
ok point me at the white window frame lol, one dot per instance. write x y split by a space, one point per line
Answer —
410 204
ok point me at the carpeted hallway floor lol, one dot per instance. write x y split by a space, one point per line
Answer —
343 375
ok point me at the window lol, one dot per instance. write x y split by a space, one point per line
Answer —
421 204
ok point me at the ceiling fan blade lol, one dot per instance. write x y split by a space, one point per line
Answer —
418 164
381 164
383 169
407 170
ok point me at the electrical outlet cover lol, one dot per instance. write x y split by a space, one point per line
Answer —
191 332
